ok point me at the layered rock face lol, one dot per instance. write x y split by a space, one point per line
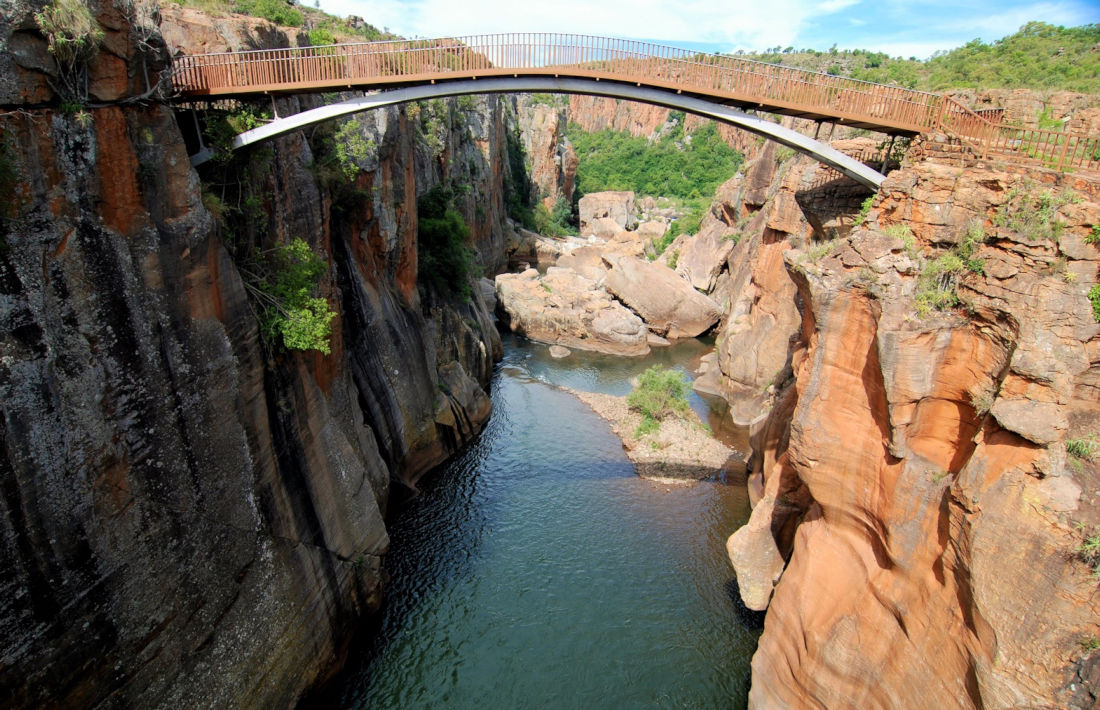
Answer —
552 162
192 517
917 505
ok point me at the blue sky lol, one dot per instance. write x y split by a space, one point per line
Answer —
898 27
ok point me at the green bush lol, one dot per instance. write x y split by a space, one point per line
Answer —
351 149
276 11
674 166
446 262
1094 296
660 393
555 222
865 209
72 33
1088 550
1093 237
321 36
282 282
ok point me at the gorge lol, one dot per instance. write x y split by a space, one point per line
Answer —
194 515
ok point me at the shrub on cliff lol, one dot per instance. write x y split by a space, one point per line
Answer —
282 282
73 37
446 262
660 393
278 11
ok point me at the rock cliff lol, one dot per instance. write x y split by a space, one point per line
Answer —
917 513
192 516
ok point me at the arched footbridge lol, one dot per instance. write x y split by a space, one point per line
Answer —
716 86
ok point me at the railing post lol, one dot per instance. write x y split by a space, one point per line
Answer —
1062 157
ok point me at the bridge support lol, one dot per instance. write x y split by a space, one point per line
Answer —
544 84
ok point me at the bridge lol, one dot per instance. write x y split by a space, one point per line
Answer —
717 86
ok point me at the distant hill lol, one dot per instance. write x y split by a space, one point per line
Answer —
322 27
1038 56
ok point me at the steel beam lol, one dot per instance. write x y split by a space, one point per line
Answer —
819 151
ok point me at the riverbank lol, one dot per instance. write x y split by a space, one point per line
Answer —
681 450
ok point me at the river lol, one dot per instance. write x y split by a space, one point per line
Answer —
536 570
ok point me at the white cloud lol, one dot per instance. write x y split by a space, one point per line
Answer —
729 24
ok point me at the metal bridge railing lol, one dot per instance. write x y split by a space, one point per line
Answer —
410 61
720 78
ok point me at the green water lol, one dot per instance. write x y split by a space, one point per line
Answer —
537 571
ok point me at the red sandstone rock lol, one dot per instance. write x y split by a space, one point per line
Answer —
933 564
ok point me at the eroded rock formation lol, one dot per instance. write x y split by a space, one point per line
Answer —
917 506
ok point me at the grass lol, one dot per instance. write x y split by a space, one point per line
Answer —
1032 212
819 252
865 209
660 393
1088 550
937 286
1084 448
1094 297
905 234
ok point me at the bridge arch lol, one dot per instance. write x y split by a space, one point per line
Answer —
567 85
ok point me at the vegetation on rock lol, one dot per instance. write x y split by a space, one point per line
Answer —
1032 212
446 261
331 28
660 393
282 282
937 286
675 165
73 37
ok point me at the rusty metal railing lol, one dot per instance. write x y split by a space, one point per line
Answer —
720 77
988 140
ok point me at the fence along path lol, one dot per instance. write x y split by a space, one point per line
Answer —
720 79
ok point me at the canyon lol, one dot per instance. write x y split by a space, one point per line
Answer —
192 516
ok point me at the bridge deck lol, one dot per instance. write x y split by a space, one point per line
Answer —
720 79
717 79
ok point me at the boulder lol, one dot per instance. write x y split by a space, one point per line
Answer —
703 256
566 308
586 261
602 228
559 351
616 206
667 303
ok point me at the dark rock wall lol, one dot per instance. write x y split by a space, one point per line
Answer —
190 517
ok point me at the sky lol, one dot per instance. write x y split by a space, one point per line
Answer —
898 27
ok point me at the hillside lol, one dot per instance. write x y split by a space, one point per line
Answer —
1038 56
322 27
